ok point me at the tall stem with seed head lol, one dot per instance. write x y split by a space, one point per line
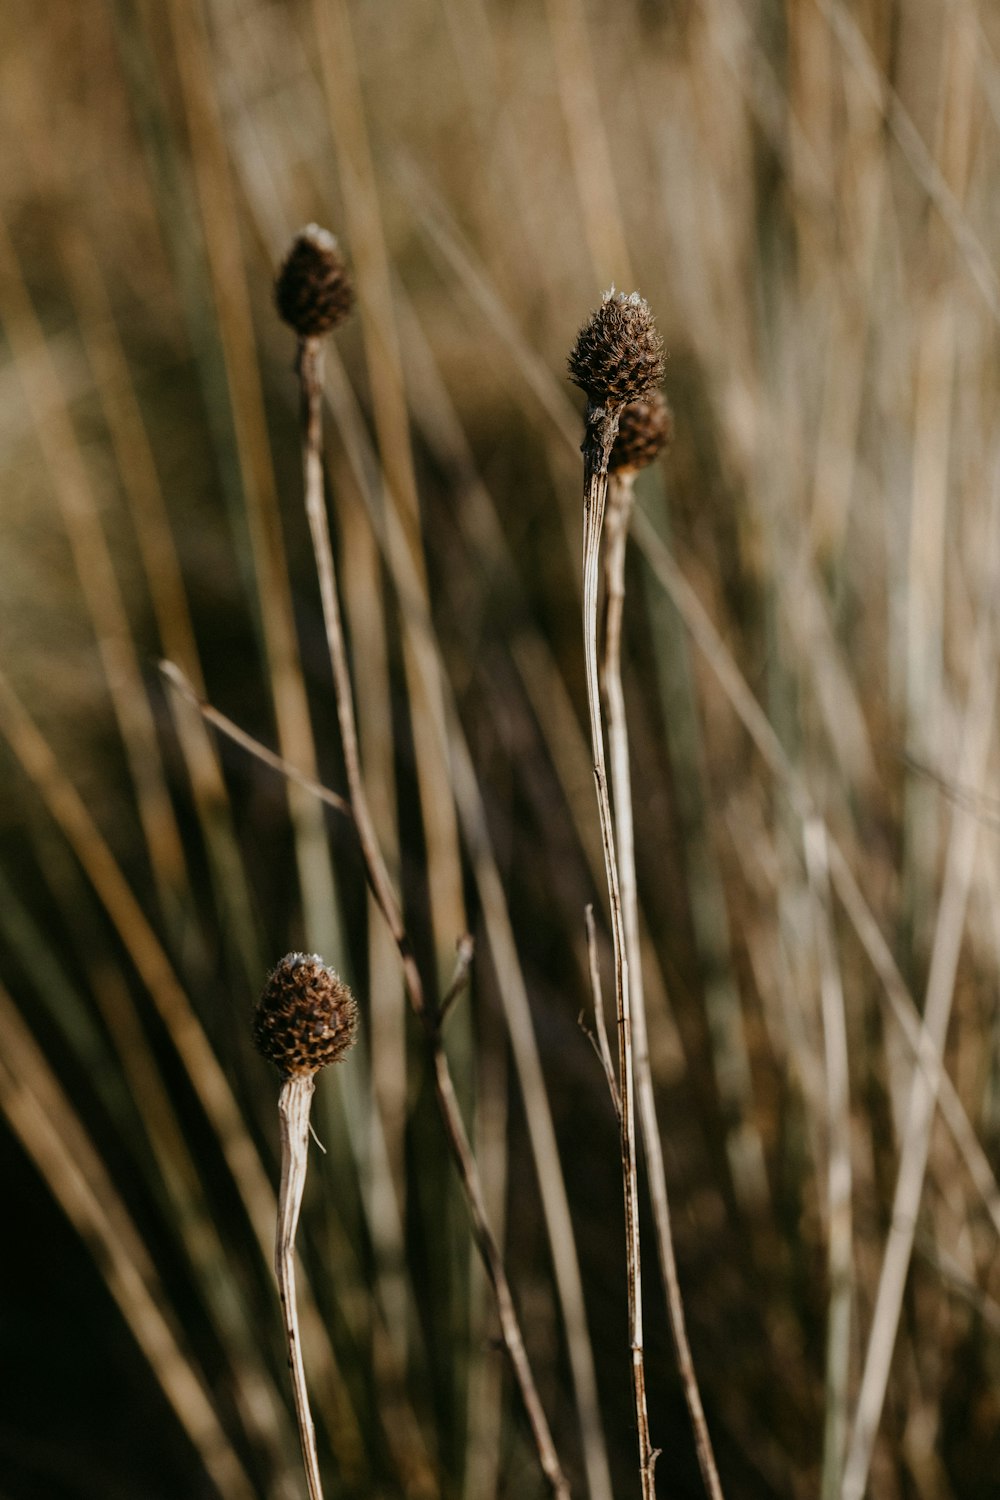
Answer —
306 1018
313 296
618 358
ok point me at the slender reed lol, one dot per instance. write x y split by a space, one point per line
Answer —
644 429
305 1019
313 295
839 1171
618 357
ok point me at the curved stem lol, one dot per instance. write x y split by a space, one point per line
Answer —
602 428
294 1104
619 511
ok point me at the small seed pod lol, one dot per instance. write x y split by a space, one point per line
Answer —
313 290
619 354
644 430
306 1017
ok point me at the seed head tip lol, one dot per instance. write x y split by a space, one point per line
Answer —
306 1016
618 356
313 290
645 428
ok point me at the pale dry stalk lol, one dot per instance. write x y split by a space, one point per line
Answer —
617 358
619 510
602 427
294 1104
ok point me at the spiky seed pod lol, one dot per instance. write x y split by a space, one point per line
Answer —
313 290
619 354
644 430
306 1017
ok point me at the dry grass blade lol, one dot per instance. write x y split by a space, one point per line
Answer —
97 579
755 721
43 1120
130 440
335 40
922 1103
220 220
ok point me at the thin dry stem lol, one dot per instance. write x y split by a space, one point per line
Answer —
601 1046
620 501
294 1105
310 372
220 721
840 1259
602 426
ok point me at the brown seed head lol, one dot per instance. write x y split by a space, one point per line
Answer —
645 428
306 1017
619 354
313 290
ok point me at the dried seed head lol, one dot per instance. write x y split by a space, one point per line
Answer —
645 428
619 354
313 290
306 1017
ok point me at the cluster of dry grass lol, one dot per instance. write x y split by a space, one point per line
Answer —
803 191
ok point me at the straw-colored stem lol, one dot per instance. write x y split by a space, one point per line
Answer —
840 1260
310 372
294 1105
602 428
619 510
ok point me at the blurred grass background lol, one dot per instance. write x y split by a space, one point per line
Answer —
805 192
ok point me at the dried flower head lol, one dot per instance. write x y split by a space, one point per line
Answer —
645 428
313 290
306 1017
619 354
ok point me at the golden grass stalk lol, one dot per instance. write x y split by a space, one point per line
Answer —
899 1002
42 1118
219 209
97 578
133 451
341 78
921 1109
